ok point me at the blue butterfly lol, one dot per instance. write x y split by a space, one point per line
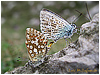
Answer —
55 27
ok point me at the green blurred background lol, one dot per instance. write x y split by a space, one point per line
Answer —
16 16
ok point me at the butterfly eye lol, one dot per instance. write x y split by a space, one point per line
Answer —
73 25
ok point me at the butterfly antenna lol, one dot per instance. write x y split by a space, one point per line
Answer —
18 59
88 11
77 18
82 14
21 59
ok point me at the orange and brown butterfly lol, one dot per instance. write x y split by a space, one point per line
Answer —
36 44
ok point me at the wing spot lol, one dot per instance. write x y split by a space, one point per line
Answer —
35 50
30 51
32 55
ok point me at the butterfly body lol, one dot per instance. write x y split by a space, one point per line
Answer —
55 27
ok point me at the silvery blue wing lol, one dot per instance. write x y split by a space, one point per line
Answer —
55 27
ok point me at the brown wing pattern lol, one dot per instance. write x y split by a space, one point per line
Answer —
36 44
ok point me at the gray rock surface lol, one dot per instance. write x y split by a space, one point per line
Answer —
80 57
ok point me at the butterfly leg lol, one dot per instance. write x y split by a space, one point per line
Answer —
71 39
66 42
30 63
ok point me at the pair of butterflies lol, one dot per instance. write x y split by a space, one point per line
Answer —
52 27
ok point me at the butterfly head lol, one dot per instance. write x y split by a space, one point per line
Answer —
74 30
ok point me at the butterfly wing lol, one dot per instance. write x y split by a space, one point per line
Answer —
52 25
36 44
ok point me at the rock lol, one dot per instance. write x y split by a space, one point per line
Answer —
80 57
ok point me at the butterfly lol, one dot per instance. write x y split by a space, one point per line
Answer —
37 44
55 27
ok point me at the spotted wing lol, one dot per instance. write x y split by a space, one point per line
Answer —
36 44
52 25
